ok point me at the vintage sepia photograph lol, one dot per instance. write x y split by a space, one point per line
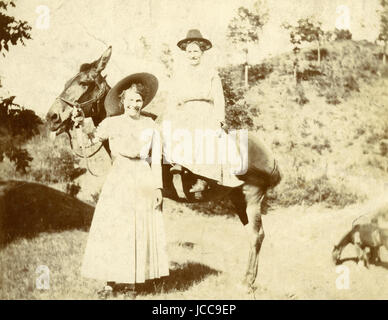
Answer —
193 150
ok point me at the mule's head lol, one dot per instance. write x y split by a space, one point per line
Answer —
336 255
85 88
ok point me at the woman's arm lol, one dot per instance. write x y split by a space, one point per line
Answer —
218 98
156 159
102 131
99 134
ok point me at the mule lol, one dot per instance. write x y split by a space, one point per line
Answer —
89 88
367 238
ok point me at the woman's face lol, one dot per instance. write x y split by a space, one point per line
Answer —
194 54
132 104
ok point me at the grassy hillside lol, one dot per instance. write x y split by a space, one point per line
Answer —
326 130
329 133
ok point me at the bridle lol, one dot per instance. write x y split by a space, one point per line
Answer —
89 108
91 104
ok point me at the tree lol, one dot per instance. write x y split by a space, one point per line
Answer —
167 59
310 30
244 27
12 31
383 35
342 34
16 123
145 46
295 40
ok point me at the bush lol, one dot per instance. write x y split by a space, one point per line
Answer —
348 64
299 189
341 34
73 189
59 165
383 71
237 109
53 162
237 116
14 153
259 72
17 125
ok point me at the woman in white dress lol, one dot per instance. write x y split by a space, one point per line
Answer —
197 104
126 243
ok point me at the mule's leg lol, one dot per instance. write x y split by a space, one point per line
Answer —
254 197
375 255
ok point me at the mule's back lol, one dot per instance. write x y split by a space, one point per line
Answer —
262 165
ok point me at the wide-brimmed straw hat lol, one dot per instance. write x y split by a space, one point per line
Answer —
112 100
194 35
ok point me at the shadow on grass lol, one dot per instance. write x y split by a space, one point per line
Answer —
382 264
181 278
27 209
221 207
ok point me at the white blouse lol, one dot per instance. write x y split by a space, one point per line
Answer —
131 138
198 83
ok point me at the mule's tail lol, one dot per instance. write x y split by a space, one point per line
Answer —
275 176
266 179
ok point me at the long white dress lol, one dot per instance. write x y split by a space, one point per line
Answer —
126 242
196 108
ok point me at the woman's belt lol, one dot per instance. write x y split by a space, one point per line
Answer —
198 100
129 157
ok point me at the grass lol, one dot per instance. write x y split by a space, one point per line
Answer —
208 262
190 253
329 152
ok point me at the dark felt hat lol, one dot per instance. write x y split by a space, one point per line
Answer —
112 100
194 35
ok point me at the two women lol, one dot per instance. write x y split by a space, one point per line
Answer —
126 243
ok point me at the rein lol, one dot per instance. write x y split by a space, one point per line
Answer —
92 106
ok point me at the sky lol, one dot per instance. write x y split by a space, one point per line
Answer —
80 30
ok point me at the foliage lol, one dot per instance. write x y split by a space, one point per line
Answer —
309 29
73 189
53 162
12 31
346 66
244 27
18 121
237 115
260 71
342 34
306 30
167 59
383 35
17 125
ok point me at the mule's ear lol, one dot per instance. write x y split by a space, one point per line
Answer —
103 61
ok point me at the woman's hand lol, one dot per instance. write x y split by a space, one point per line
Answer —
224 126
77 117
158 199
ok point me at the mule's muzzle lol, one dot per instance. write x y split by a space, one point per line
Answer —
54 121
57 124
